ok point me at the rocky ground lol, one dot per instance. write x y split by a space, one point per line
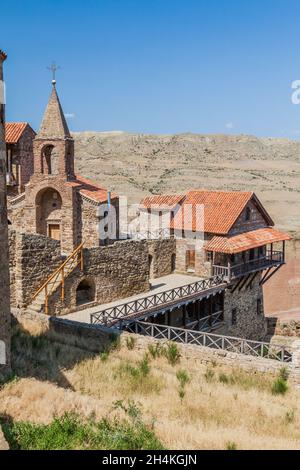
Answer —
136 164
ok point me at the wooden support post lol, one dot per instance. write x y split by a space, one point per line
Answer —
184 315
283 251
271 251
210 311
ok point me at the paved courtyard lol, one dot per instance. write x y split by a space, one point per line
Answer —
160 284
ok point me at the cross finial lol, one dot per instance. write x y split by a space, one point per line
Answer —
53 67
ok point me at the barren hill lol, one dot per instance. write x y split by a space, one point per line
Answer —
139 164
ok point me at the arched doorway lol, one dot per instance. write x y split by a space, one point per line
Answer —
85 292
48 213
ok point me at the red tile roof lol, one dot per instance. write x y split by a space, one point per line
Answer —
161 201
213 211
90 189
13 131
246 241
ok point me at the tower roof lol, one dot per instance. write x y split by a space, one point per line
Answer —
54 125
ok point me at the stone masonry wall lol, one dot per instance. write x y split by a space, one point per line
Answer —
115 272
32 259
250 323
4 267
163 252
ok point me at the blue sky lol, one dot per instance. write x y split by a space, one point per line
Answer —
156 66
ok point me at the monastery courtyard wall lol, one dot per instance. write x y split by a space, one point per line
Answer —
116 271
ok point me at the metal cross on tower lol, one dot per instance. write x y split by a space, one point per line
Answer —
53 67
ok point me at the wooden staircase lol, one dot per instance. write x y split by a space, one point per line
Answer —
40 299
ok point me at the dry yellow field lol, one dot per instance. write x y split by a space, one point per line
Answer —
221 409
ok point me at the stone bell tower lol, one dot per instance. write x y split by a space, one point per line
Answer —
53 145
4 261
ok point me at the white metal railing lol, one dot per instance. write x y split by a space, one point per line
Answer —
201 338
149 303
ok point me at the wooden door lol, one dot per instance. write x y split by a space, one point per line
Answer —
190 259
54 231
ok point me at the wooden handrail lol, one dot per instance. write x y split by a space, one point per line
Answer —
60 270
79 247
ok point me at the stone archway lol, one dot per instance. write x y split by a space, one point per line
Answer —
85 292
48 204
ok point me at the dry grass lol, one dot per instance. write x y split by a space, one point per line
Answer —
212 415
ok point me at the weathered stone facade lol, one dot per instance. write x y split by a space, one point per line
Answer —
244 311
19 159
162 257
114 271
4 262
56 202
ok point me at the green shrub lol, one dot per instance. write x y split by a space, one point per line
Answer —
143 366
104 356
231 446
71 432
130 342
182 377
223 378
209 375
289 416
171 352
284 373
155 350
280 386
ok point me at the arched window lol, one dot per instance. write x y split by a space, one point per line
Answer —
85 292
50 160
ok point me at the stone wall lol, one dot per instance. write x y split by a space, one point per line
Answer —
162 253
32 259
209 356
81 335
202 268
250 323
113 272
4 262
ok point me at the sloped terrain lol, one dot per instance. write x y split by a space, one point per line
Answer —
136 165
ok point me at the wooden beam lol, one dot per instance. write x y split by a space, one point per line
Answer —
251 280
237 285
265 275
245 281
266 278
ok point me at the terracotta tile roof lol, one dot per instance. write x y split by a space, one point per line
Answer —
90 189
213 211
13 131
163 201
246 241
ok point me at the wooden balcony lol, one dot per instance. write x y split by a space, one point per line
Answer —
234 271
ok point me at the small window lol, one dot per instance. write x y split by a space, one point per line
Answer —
248 214
258 307
233 316
209 255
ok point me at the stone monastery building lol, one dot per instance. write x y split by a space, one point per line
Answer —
217 247
53 200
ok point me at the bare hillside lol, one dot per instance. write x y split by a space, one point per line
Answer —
137 164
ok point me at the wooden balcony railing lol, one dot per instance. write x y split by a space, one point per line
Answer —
153 302
272 258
